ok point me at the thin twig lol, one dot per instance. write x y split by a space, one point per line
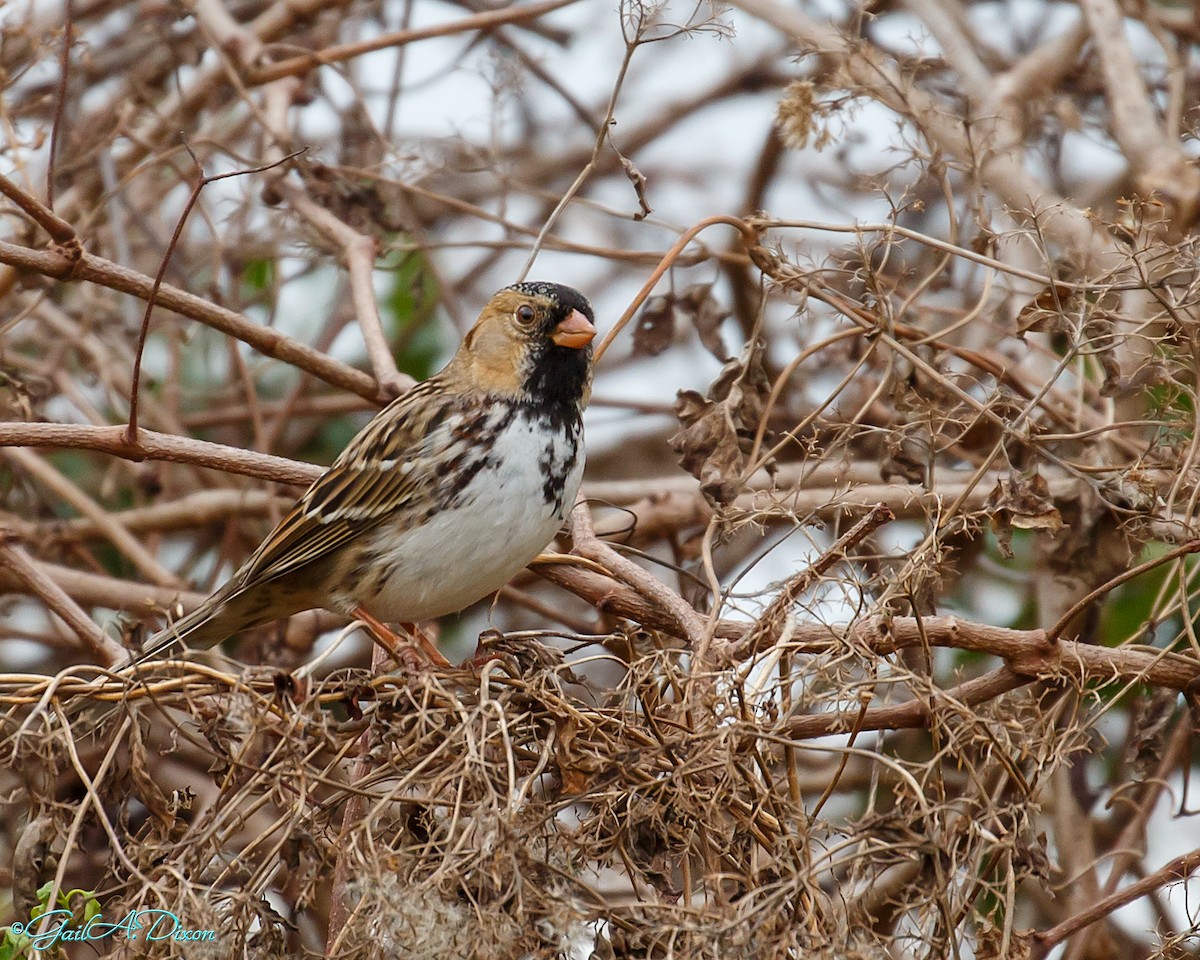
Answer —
267 341
18 563
1174 871
335 54
749 235
131 431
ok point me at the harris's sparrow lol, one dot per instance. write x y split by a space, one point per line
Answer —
443 497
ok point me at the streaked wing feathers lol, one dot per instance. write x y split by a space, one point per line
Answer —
391 464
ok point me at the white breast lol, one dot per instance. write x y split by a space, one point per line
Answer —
504 519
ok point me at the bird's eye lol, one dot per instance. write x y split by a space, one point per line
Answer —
525 313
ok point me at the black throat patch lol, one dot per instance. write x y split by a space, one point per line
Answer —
555 381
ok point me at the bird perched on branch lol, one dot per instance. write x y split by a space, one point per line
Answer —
442 498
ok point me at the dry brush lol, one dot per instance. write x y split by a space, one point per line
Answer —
872 632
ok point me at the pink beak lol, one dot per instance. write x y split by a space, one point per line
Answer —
576 331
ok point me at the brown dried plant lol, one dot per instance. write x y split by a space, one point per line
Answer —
872 634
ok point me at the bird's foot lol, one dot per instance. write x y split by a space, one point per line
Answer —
485 651
401 648
481 658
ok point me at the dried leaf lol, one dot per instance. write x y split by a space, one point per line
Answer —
638 179
718 430
988 941
656 324
706 313
984 242
1131 489
1151 722
1113 385
31 858
602 949
1049 520
905 457
573 769
1021 503
991 944
1029 501
147 789
1152 373
1101 334
1032 858
707 445
574 781
655 327
1045 313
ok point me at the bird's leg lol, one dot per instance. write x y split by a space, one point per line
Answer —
399 646
483 656
394 646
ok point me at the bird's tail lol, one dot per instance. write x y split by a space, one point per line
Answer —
214 621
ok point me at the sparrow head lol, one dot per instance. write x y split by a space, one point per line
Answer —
532 343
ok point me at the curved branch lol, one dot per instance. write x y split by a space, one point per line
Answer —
265 340
159 446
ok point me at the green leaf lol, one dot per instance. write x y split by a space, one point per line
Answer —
43 904
13 945
409 312
258 275
1132 605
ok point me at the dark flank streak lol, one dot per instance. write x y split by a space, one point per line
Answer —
556 474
